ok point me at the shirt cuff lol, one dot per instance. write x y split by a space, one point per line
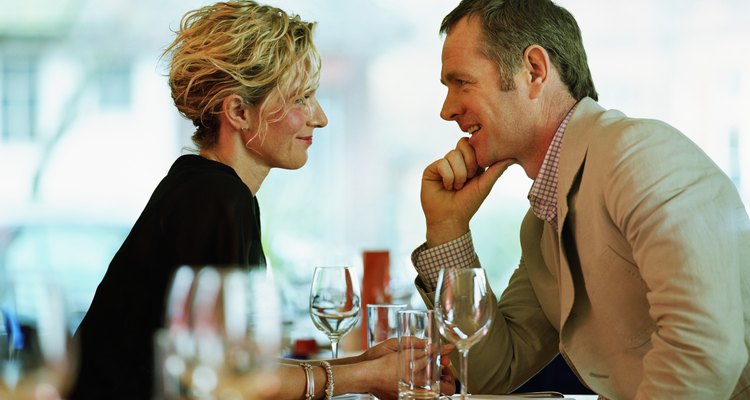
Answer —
458 253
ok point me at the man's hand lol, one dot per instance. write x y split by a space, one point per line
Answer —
453 188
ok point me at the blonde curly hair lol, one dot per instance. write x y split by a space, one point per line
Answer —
258 52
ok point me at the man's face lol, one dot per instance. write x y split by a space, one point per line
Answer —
495 119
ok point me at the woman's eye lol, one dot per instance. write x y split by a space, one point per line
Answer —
302 100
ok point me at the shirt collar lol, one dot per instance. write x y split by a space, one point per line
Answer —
543 193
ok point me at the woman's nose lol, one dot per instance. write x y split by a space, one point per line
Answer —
319 118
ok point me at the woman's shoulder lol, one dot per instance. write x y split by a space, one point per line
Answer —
195 173
194 182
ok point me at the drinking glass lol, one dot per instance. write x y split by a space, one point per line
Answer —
36 350
334 302
382 322
418 355
464 309
222 330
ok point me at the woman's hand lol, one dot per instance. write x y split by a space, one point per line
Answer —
447 379
381 349
382 376
382 366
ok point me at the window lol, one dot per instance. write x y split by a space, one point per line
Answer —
18 75
114 80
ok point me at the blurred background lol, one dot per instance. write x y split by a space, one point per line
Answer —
87 127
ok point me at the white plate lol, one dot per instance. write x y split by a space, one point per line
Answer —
505 397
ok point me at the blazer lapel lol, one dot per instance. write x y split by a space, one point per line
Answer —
572 159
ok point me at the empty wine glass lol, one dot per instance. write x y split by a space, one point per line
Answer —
464 309
36 351
223 327
334 302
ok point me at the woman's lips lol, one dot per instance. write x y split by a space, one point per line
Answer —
306 139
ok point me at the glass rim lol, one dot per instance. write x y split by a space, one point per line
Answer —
404 312
386 305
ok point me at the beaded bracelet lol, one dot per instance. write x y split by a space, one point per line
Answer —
310 387
329 382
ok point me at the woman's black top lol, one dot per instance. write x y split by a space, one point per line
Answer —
201 213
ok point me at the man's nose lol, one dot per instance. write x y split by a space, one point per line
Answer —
450 109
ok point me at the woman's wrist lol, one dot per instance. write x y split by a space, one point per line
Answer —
350 378
348 360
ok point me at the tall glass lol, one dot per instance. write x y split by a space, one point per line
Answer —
418 355
334 302
222 334
37 356
382 322
464 309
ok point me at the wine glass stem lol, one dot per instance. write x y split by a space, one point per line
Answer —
334 348
464 374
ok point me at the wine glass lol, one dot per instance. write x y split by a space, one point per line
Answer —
334 302
36 350
222 331
464 309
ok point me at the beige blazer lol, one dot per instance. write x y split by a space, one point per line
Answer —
645 289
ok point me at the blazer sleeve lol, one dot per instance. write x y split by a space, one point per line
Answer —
686 224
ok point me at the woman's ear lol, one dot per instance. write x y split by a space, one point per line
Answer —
537 64
236 113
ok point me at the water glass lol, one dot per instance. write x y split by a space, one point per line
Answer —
418 355
382 322
37 354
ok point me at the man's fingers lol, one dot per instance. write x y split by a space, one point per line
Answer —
458 167
469 156
450 170
440 170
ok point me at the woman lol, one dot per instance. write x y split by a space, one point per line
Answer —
246 75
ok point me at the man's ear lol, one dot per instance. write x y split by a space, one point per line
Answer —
235 112
537 65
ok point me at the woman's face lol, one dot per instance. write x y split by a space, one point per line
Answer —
287 137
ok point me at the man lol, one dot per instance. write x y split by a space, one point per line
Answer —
636 247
